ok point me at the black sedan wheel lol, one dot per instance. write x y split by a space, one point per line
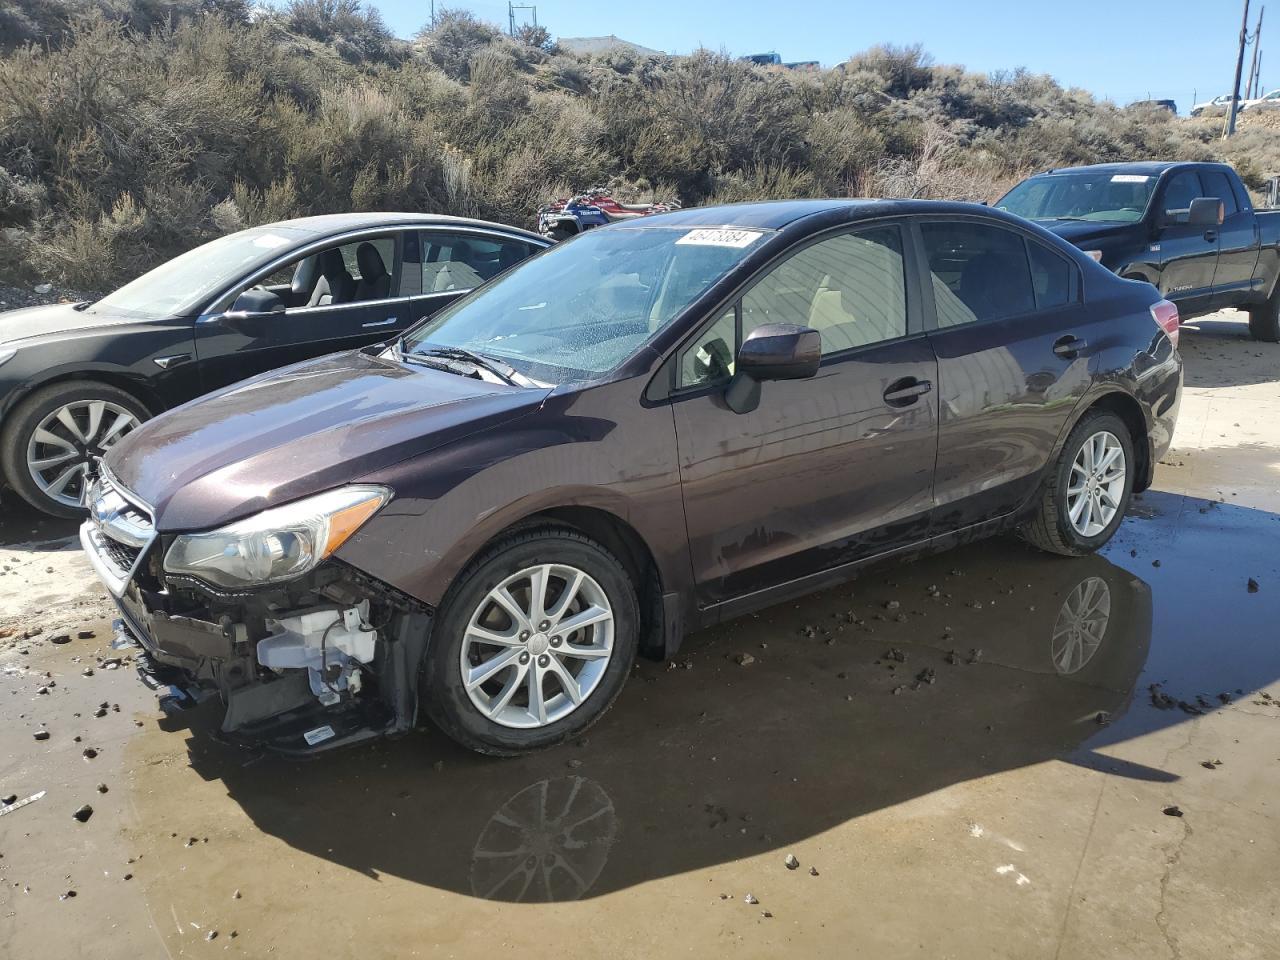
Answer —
532 645
53 439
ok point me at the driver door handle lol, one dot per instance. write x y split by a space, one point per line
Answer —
378 323
1211 235
1069 346
904 392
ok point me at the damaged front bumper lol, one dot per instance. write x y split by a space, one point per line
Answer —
327 660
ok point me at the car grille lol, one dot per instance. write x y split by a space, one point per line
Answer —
120 531
122 555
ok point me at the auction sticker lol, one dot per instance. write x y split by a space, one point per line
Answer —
1129 178
720 237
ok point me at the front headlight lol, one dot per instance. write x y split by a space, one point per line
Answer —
277 544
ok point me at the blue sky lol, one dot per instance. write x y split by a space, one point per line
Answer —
1119 50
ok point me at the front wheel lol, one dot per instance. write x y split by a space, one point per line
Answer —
532 645
1083 503
51 442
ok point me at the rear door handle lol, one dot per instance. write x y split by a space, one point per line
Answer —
1211 235
379 323
904 392
1069 347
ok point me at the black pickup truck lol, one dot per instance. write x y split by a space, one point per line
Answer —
1188 228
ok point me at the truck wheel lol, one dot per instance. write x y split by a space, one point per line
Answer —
52 440
1264 320
1084 502
533 643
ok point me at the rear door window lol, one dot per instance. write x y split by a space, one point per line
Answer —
980 272
1217 184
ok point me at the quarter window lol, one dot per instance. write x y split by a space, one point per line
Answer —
1050 276
710 357
979 272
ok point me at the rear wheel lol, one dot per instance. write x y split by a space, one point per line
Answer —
51 442
1085 500
532 645
1264 320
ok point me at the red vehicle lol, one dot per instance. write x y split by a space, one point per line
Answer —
570 216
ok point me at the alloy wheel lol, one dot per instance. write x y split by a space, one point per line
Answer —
1081 626
1096 484
537 646
63 451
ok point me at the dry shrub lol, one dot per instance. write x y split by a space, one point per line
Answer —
131 130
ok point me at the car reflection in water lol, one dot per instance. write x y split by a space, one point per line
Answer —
1034 658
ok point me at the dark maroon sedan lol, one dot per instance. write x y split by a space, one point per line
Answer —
648 429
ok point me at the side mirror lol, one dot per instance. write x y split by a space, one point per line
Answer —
251 311
772 351
1206 212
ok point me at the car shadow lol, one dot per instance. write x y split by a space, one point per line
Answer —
778 726
23 525
1220 353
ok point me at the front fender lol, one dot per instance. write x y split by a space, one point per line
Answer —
596 448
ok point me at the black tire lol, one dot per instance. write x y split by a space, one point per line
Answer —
1050 527
27 416
1264 320
444 696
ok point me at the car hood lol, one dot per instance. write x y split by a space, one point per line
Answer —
1084 232
28 322
298 431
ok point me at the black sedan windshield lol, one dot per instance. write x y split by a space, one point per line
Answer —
580 309
173 288
1117 197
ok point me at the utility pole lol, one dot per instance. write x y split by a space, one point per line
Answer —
1235 87
511 14
1253 61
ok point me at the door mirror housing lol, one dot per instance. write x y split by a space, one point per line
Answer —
772 351
1206 212
1203 212
252 311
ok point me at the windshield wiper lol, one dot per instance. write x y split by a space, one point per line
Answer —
501 370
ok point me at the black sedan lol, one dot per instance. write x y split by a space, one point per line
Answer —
647 429
75 378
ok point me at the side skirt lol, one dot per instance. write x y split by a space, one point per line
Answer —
728 609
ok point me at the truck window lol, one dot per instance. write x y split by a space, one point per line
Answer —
1182 188
1217 184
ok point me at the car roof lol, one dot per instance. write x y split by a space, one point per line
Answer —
1150 168
778 214
338 222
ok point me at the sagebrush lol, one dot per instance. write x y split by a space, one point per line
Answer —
131 130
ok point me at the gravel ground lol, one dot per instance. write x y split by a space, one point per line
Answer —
14 297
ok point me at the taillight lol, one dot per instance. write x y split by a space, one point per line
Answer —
1165 314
